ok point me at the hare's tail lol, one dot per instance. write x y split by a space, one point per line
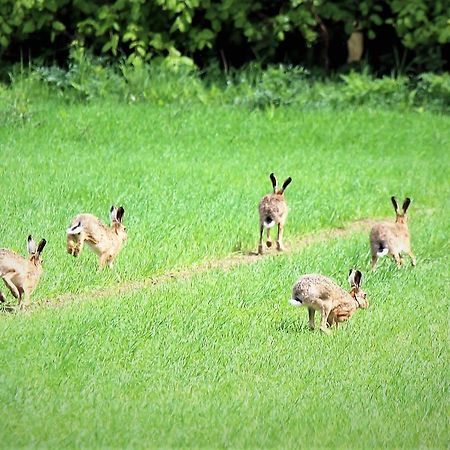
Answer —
382 248
269 222
75 229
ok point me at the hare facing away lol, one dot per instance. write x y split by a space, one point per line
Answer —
320 293
105 241
21 275
273 210
388 238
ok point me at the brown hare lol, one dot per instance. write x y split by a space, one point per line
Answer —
105 241
22 275
320 293
388 238
273 211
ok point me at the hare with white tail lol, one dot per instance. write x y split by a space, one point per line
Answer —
273 211
320 293
19 274
105 241
389 238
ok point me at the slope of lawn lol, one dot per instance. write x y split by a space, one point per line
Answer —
220 359
190 178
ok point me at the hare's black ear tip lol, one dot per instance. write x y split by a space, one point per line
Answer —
393 198
111 209
30 238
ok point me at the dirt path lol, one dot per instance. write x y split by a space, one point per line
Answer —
226 263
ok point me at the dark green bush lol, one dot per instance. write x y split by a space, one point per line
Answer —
181 31
433 92
90 78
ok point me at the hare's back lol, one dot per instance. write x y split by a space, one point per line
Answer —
273 204
316 286
382 230
89 222
10 260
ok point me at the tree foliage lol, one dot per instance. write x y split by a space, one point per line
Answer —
184 31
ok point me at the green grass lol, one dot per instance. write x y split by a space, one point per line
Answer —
221 359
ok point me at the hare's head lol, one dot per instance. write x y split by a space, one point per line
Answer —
355 278
116 222
276 190
35 252
401 216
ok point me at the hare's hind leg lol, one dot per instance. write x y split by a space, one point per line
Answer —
398 259
280 245
269 240
103 260
325 312
374 260
413 258
7 278
260 246
75 244
311 313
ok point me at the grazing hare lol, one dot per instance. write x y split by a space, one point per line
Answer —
318 292
105 241
21 275
392 238
273 210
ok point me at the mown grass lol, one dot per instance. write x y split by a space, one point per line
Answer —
221 360
190 178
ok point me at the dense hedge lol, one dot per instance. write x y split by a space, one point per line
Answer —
405 34
88 79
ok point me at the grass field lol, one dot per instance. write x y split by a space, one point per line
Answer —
219 358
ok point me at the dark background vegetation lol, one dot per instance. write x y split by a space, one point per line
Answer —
400 36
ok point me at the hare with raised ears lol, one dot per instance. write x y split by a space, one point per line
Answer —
273 211
22 275
320 293
104 241
388 238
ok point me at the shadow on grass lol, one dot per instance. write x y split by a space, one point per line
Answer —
293 326
7 308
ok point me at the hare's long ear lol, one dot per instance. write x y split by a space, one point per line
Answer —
41 246
274 182
354 278
406 204
31 245
119 214
394 202
286 183
113 213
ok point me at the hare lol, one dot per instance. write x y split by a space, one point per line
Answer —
392 238
21 275
318 292
105 241
273 210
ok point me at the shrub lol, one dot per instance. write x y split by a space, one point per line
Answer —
205 30
433 92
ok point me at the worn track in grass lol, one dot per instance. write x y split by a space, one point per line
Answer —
226 263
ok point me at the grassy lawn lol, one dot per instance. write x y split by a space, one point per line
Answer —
220 359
